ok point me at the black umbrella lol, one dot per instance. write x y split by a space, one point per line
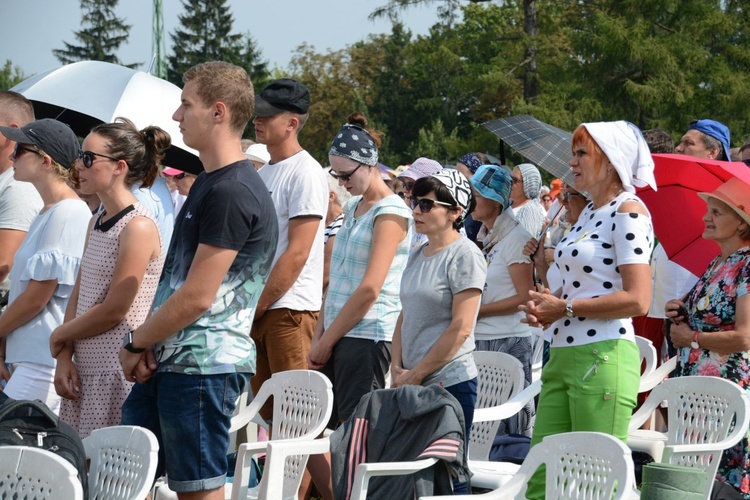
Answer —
542 144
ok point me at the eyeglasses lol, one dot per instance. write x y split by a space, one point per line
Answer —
180 176
409 186
87 157
567 196
19 150
426 204
344 177
746 162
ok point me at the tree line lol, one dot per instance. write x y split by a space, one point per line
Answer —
657 63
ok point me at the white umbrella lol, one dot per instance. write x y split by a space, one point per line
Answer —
87 93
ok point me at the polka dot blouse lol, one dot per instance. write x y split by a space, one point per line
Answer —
589 260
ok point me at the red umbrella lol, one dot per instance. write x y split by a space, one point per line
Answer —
676 209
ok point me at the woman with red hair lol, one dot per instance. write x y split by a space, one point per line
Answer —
591 380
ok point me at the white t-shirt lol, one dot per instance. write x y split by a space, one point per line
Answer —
499 285
671 281
19 205
299 188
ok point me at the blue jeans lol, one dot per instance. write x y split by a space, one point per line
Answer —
190 416
466 395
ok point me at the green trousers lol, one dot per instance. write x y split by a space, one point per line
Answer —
593 387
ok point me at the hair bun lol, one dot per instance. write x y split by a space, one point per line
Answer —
357 118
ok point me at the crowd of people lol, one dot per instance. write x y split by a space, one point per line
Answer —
144 295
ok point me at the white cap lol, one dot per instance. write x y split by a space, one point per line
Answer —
258 152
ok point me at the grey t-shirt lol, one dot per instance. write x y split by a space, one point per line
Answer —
427 289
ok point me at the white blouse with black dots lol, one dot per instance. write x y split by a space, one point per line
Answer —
589 258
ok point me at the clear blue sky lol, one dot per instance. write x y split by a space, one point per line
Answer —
32 28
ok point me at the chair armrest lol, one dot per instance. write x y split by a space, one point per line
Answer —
510 407
278 452
367 470
654 378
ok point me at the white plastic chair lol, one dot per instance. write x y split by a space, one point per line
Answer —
499 396
537 353
36 474
706 415
580 465
302 406
123 462
648 354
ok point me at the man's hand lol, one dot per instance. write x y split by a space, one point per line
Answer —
137 367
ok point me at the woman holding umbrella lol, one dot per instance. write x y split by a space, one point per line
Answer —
120 269
712 325
591 380
46 263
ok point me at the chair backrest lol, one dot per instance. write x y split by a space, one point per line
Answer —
36 474
500 378
580 465
123 462
537 353
648 354
702 411
302 406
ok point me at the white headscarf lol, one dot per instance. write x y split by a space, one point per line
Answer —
627 150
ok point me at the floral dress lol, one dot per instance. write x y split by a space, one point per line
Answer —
711 306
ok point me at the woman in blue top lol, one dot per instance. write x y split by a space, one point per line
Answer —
46 263
352 338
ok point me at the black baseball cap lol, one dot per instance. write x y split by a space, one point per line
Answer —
282 95
51 136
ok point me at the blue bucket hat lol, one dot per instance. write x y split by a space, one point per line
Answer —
494 183
715 129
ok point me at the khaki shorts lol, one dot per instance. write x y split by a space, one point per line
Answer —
282 340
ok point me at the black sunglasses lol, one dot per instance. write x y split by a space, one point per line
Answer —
568 196
87 157
344 177
426 204
18 150
746 162
180 176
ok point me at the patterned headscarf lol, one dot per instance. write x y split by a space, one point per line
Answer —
532 180
355 143
471 161
459 187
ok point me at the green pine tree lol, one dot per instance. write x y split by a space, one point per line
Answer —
10 75
205 34
101 35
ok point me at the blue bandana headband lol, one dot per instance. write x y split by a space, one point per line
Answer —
355 143
471 161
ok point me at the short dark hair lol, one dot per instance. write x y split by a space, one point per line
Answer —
658 141
426 185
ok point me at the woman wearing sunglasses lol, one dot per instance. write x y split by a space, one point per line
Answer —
46 263
352 339
120 269
441 289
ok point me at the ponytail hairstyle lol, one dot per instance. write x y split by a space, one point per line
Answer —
142 150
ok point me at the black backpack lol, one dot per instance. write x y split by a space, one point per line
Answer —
31 423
